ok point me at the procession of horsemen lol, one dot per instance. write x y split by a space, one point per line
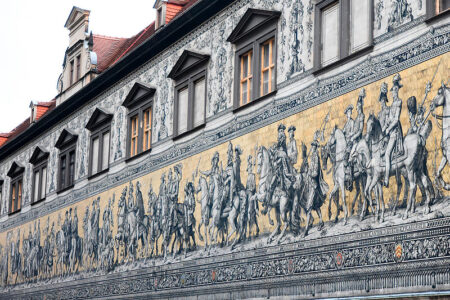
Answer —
284 180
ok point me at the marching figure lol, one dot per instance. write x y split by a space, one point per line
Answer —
252 201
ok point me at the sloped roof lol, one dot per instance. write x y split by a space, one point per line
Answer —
109 51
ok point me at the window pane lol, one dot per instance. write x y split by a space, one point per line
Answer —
63 171
105 154
244 92
183 110
36 186
244 66
95 149
13 197
359 24
71 167
19 194
44 183
266 82
199 102
330 34
147 129
266 54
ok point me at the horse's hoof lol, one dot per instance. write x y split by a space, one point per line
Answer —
320 226
304 234
336 220
405 216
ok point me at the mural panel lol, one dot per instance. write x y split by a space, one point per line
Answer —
372 158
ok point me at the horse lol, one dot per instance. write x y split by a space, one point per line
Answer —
205 202
335 150
280 201
443 99
408 163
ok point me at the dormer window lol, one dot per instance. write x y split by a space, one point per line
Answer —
39 162
139 103
100 127
189 74
66 144
161 10
15 198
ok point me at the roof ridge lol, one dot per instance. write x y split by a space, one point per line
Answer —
134 42
108 37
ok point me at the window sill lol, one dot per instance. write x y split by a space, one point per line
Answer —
14 212
236 109
98 174
65 189
437 17
38 201
199 127
357 54
138 155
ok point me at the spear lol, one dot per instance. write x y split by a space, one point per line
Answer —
430 83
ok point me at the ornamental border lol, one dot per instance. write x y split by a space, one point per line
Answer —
279 270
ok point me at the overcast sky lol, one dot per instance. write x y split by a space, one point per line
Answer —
34 40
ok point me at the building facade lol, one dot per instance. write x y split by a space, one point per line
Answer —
238 149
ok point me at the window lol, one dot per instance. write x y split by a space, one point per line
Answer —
189 74
437 8
15 199
255 38
344 28
67 145
78 67
100 126
140 112
161 16
71 72
39 184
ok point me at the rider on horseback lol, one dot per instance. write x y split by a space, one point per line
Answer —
283 175
392 129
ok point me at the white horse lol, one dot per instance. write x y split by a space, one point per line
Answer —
280 200
205 202
338 143
443 99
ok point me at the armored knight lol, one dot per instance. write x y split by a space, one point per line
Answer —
292 146
392 128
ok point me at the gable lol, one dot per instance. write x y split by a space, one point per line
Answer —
38 155
188 61
99 117
16 169
138 93
65 139
252 20
75 14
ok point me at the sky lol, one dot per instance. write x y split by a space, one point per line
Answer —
34 41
